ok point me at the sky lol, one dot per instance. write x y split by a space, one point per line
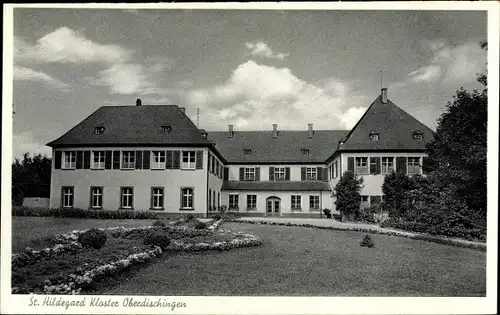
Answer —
247 68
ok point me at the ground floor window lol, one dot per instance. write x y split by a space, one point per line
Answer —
96 197
364 202
251 202
157 198
314 202
127 197
187 195
68 197
413 165
233 202
296 202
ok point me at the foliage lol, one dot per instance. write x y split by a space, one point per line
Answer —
368 214
328 213
367 241
347 192
200 225
394 189
82 213
93 238
189 217
159 223
217 217
30 177
157 238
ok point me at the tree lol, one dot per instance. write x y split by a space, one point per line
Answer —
348 197
395 189
30 177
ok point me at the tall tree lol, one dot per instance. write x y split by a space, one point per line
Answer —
30 177
348 197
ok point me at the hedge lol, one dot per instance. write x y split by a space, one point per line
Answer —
83 213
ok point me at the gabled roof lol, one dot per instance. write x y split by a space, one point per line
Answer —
277 186
134 125
394 126
286 148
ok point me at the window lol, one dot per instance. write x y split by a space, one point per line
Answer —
68 197
98 130
166 129
374 136
335 169
364 202
98 159
127 197
311 173
233 202
387 165
362 166
248 151
305 151
251 202
314 202
418 137
188 159
69 159
414 165
279 173
187 198
158 159
296 202
128 159
249 173
96 197
157 198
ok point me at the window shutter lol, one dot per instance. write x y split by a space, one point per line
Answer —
401 164
79 160
271 173
199 160
287 173
257 174
374 165
138 160
426 167
325 173
226 173
177 159
302 173
319 174
379 163
116 160
209 162
57 160
151 199
146 159
242 174
350 164
169 160
180 201
86 160
107 160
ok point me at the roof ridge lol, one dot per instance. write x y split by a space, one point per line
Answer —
145 105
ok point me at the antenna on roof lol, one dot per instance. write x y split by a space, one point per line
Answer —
380 79
197 117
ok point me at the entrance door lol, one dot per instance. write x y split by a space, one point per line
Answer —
273 206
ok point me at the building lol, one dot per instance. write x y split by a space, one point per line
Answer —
155 158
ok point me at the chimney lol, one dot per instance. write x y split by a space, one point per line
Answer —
138 102
275 131
231 132
384 95
310 130
183 109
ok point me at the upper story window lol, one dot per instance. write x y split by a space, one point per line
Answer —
414 165
249 173
418 135
98 158
99 130
158 160
374 136
248 151
387 165
335 169
362 166
279 173
311 173
166 128
305 151
128 159
188 159
69 159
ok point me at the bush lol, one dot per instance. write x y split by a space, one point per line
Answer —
159 223
190 217
217 217
157 238
328 213
347 192
93 238
366 241
395 188
200 225
83 213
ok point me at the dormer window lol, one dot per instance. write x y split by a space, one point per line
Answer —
305 151
99 130
248 151
166 128
374 136
418 135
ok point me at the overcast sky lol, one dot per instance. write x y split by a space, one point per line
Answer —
246 68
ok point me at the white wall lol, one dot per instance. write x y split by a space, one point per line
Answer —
215 184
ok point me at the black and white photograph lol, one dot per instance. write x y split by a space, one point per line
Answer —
155 155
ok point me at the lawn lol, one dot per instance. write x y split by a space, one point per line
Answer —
296 261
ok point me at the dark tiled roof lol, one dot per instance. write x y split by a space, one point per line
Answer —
394 126
286 148
131 125
277 186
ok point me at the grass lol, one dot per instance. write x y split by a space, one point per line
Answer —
295 261
36 232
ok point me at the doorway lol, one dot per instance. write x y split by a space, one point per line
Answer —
273 206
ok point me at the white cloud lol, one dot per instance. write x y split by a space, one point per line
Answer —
65 45
426 74
25 142
350 117
261 49
256 96
27 74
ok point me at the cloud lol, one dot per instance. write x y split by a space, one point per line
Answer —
256 96
24 142
65 45
459 63
350 117
27 74
261 49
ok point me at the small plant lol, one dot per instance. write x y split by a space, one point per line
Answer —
156 238
159 223
200 225
189 217
217 217
367 241
328 213
93 238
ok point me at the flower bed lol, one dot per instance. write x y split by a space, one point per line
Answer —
215 225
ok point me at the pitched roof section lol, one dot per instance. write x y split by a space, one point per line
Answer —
394 127
286 148
134 125
277 186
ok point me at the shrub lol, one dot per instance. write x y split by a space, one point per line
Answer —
94 238
395 188
159 223
328 213
217 217
200 225
366 241
347 192
157 238
190 217
83 213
